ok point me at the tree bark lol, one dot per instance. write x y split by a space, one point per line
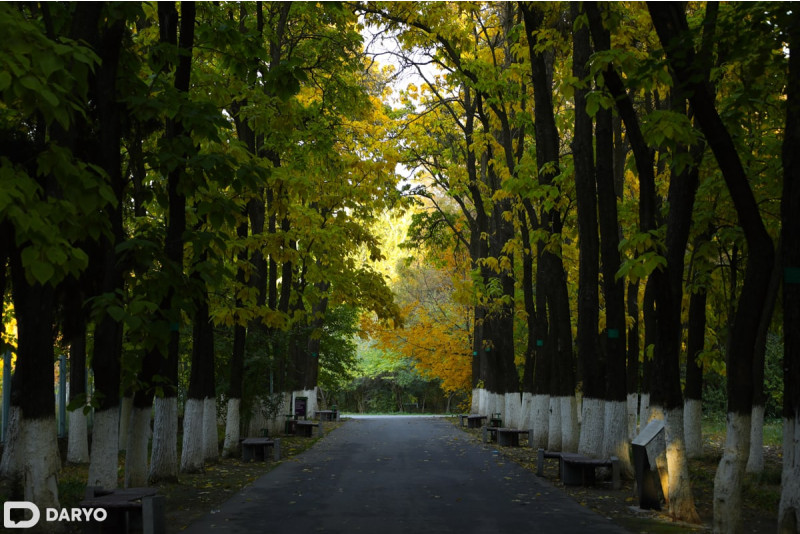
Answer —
693 391
586 190
789 508
164 459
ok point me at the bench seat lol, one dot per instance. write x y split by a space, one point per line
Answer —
129 510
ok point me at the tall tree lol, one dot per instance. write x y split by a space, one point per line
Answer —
551 275
671 25
789 509
164 457
586 190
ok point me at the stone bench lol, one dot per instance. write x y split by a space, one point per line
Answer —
305 428
475 421
508 437
129 510
579 470
256 449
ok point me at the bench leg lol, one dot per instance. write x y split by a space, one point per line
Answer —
539 462
571 475
484 433
321 433
276 450
530 438
616 483
153 515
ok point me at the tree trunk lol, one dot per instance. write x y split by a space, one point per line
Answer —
233 421
586 190
632 369
615 434
78 437
693 392
200 435
789 508
755 460
33 390
107 354
164 459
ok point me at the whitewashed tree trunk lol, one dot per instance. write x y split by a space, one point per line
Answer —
681 500
210 435
475 405
730 474
633 409
615 436
258 422
498 405
755 460
644 410
541 421
104 461
554 437
693 427
230 447
136 448
592 424
78 438
570 430
192 450
513 410
40 461
789 507
164 457
11 463
124 418
527 411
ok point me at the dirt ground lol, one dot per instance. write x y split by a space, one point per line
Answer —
195 495
761 496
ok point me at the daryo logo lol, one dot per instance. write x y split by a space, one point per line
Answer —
71 515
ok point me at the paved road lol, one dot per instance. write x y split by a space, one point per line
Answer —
400 475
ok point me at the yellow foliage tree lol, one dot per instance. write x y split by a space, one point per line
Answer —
437 329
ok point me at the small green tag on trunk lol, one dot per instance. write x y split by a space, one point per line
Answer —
613 333
791 275
540 342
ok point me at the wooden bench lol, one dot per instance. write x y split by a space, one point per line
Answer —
256 449
305 428
579 470
129 510
475 421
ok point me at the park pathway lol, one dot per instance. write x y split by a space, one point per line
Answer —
407 475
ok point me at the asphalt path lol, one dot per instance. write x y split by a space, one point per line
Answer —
405 475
